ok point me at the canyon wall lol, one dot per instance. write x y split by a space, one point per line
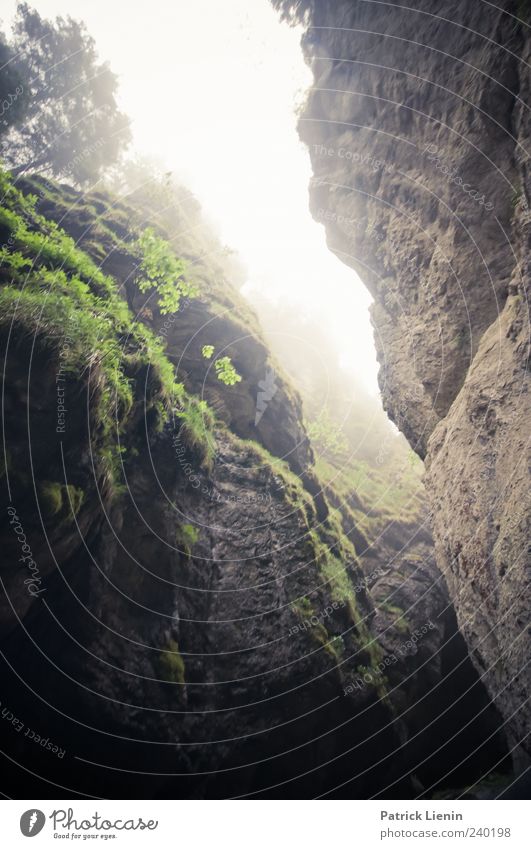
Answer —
187 611
417 125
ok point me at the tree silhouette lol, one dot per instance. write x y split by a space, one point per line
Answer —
71 125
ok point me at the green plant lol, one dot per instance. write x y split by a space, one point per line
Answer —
171 665
187 536
50 498
226 372
67 120
197 428
223 366
327 436
303 608
160 269
400 621
54 292
61 501
337 644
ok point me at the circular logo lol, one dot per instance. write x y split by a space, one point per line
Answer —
31 822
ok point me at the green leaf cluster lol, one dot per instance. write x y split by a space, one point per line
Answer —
226 372
162 271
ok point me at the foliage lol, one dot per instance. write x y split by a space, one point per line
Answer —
70 124
327 436
303 608
59 501
187 536
13 95
50 498
224 368
197 427
226 372
400 621
171 664
161 270
335 576
53 290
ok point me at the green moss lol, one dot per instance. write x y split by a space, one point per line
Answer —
60 501
53 291
337 645
371 499
317 631
50 498
303 608
76 497
378 680
335 576
292 487
400 622
187 536
197 423
171 665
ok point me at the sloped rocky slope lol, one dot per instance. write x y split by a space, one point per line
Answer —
199 623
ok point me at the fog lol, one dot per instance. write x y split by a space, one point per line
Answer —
212 90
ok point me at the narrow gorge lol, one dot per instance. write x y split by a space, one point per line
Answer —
214 586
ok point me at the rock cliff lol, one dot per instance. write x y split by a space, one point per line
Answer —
184 610
417 125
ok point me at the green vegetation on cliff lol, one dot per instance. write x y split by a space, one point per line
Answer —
53 290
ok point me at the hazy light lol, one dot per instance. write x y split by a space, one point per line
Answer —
211 88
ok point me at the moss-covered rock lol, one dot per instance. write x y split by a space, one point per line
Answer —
171 664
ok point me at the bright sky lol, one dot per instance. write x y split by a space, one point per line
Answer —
211 88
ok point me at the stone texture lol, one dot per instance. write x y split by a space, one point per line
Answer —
417 124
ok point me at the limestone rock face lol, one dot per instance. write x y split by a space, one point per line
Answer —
417 124
208 623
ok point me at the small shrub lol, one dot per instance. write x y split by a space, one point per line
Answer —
161 270
226 372
224 368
